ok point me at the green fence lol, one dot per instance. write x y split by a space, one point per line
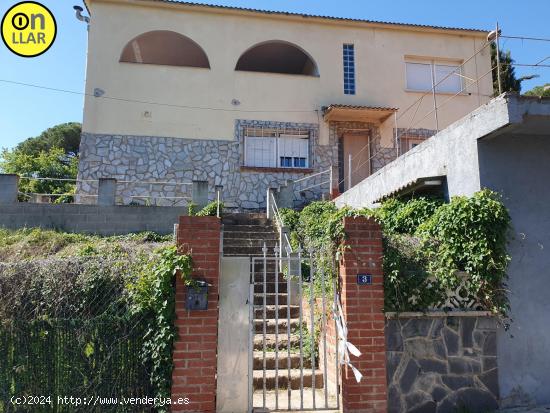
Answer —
95 359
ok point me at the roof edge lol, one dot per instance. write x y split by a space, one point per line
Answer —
195 5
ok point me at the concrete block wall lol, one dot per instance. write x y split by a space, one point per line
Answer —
92 219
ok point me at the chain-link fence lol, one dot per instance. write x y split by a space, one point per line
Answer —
68 329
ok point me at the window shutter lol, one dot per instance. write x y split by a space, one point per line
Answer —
259 151
419 76
452 84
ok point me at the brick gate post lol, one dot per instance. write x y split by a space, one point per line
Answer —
195 349
362 306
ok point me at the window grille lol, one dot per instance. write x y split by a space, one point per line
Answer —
276 147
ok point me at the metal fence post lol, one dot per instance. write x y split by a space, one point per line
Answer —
498 61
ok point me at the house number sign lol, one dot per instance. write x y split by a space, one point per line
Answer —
364 279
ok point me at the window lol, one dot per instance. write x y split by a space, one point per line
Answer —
349 69
422 76
270 148
163 47
277 57
408 143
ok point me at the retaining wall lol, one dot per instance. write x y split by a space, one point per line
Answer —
441 363
94 219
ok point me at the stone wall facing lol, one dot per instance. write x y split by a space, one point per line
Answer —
136 161
440 364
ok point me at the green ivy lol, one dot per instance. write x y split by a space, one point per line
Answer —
210 210
428 245
153 293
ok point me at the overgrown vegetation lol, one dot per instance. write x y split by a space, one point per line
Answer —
210 210
430 248
87 315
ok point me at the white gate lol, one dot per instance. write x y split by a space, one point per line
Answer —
291 365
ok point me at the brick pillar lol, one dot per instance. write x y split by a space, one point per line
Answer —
195 350
362 306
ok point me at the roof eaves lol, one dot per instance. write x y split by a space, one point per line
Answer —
316 16
328 108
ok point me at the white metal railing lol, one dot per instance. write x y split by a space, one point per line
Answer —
329 181
273 213
218 200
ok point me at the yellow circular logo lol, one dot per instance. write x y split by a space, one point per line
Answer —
28 29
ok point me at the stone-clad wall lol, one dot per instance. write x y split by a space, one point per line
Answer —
437 364
142 158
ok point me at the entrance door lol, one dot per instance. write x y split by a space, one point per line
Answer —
358 146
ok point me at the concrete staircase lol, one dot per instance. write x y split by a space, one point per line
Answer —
245 235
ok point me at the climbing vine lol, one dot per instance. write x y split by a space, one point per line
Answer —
153 293
429 247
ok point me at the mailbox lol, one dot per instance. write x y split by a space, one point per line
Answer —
197 296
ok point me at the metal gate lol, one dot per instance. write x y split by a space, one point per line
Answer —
291 365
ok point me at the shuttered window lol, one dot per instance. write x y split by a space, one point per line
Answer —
422 76
281 151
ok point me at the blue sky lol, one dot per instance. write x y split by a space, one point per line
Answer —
25 112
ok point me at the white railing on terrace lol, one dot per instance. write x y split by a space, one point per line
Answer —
273 213
322 174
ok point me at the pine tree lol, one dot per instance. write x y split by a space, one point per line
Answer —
507 72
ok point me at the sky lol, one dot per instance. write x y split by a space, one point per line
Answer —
26 112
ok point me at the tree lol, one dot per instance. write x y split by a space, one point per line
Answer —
508 78
507 72
52 154
543 91
65 136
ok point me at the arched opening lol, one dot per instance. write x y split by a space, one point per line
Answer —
163 47
277 57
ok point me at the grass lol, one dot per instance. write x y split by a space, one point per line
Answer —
36 243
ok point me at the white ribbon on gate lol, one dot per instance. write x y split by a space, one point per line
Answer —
344 346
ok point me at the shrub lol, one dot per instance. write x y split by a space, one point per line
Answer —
428 246
97 322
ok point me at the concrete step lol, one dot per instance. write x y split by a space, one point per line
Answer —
243 250
305 405
248 228
270 277
246 219
284 379
270 312
242 242
270 324
272 342
270 286
253 235
271 299
283 360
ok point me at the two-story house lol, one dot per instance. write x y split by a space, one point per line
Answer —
248 99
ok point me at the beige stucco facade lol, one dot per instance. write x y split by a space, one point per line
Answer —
196 103
156 123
